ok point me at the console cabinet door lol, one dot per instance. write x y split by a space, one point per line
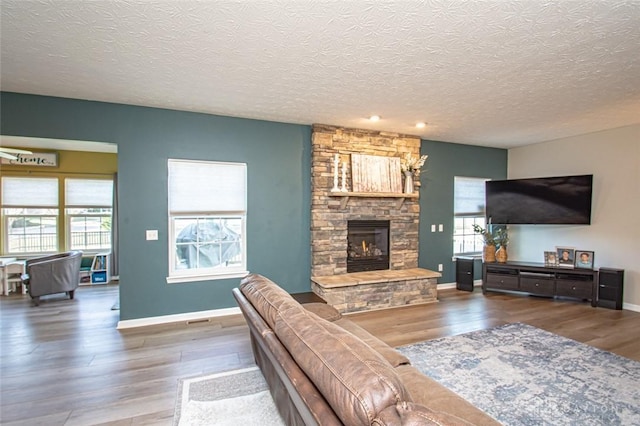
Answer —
577 289
538 285
502 281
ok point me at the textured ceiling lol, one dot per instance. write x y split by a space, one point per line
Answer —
498 73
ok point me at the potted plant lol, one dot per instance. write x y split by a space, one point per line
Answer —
502 240
489 251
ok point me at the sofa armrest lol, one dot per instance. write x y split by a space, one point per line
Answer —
323 310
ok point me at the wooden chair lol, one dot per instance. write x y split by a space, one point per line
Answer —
13 279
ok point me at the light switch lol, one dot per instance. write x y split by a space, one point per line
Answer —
152 234
440 228
440 267
433 228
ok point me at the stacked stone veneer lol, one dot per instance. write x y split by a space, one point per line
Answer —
329 219
364 291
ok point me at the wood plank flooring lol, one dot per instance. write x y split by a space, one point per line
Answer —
64 362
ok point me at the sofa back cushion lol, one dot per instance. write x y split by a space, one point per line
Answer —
265 296
357 381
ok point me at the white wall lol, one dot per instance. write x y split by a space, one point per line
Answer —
613 157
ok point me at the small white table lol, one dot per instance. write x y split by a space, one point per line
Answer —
9 266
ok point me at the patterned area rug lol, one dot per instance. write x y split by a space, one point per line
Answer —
239 397
521 375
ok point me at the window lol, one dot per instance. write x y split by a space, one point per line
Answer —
88 204
469 196
207 220
30 212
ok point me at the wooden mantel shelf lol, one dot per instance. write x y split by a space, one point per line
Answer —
346 195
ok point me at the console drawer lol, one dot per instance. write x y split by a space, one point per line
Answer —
502 281
577 289
541 286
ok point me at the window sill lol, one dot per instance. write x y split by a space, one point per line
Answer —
468 255
208 277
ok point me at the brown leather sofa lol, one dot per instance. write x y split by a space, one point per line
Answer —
323 369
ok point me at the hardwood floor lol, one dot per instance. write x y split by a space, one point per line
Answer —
64 362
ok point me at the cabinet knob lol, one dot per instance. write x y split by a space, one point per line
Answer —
537 284
573 288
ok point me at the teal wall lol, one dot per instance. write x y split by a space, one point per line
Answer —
447 160
278 159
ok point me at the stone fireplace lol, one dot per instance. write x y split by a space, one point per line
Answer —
330 213
333 252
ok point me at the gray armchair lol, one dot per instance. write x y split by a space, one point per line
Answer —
52 274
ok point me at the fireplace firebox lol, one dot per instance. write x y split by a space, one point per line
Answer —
367 245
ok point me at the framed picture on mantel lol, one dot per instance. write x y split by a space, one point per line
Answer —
374 173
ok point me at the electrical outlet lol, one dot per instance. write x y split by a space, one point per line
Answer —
440 268
152 234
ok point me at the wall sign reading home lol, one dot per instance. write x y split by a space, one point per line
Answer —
37 159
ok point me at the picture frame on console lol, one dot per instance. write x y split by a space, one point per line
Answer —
550 258
584 259
566 256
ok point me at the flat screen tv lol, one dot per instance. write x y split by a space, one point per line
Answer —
562 200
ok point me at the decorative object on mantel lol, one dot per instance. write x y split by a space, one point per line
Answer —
502 240
336 161
408 183
489 250
411 166
343 188
374 173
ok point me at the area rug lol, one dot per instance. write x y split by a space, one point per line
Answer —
238 397
521 375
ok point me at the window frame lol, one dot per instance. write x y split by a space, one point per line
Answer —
69 206
53 212
176 275
69 232
7 244
478 217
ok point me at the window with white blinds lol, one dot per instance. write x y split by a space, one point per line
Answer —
88 192
29 192
29 215
88 204
469 210
207 219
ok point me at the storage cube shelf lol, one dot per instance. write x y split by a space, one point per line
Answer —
99 270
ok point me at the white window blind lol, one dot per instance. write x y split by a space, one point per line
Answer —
469 196
88 193
29 192
204 186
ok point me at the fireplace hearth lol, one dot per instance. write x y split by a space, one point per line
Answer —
367 245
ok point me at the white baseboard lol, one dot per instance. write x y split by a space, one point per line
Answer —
186 317
630 307
445 286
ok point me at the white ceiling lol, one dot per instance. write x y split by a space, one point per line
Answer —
496 73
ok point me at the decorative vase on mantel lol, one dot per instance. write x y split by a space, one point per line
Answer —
501 254
489 253
408 182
